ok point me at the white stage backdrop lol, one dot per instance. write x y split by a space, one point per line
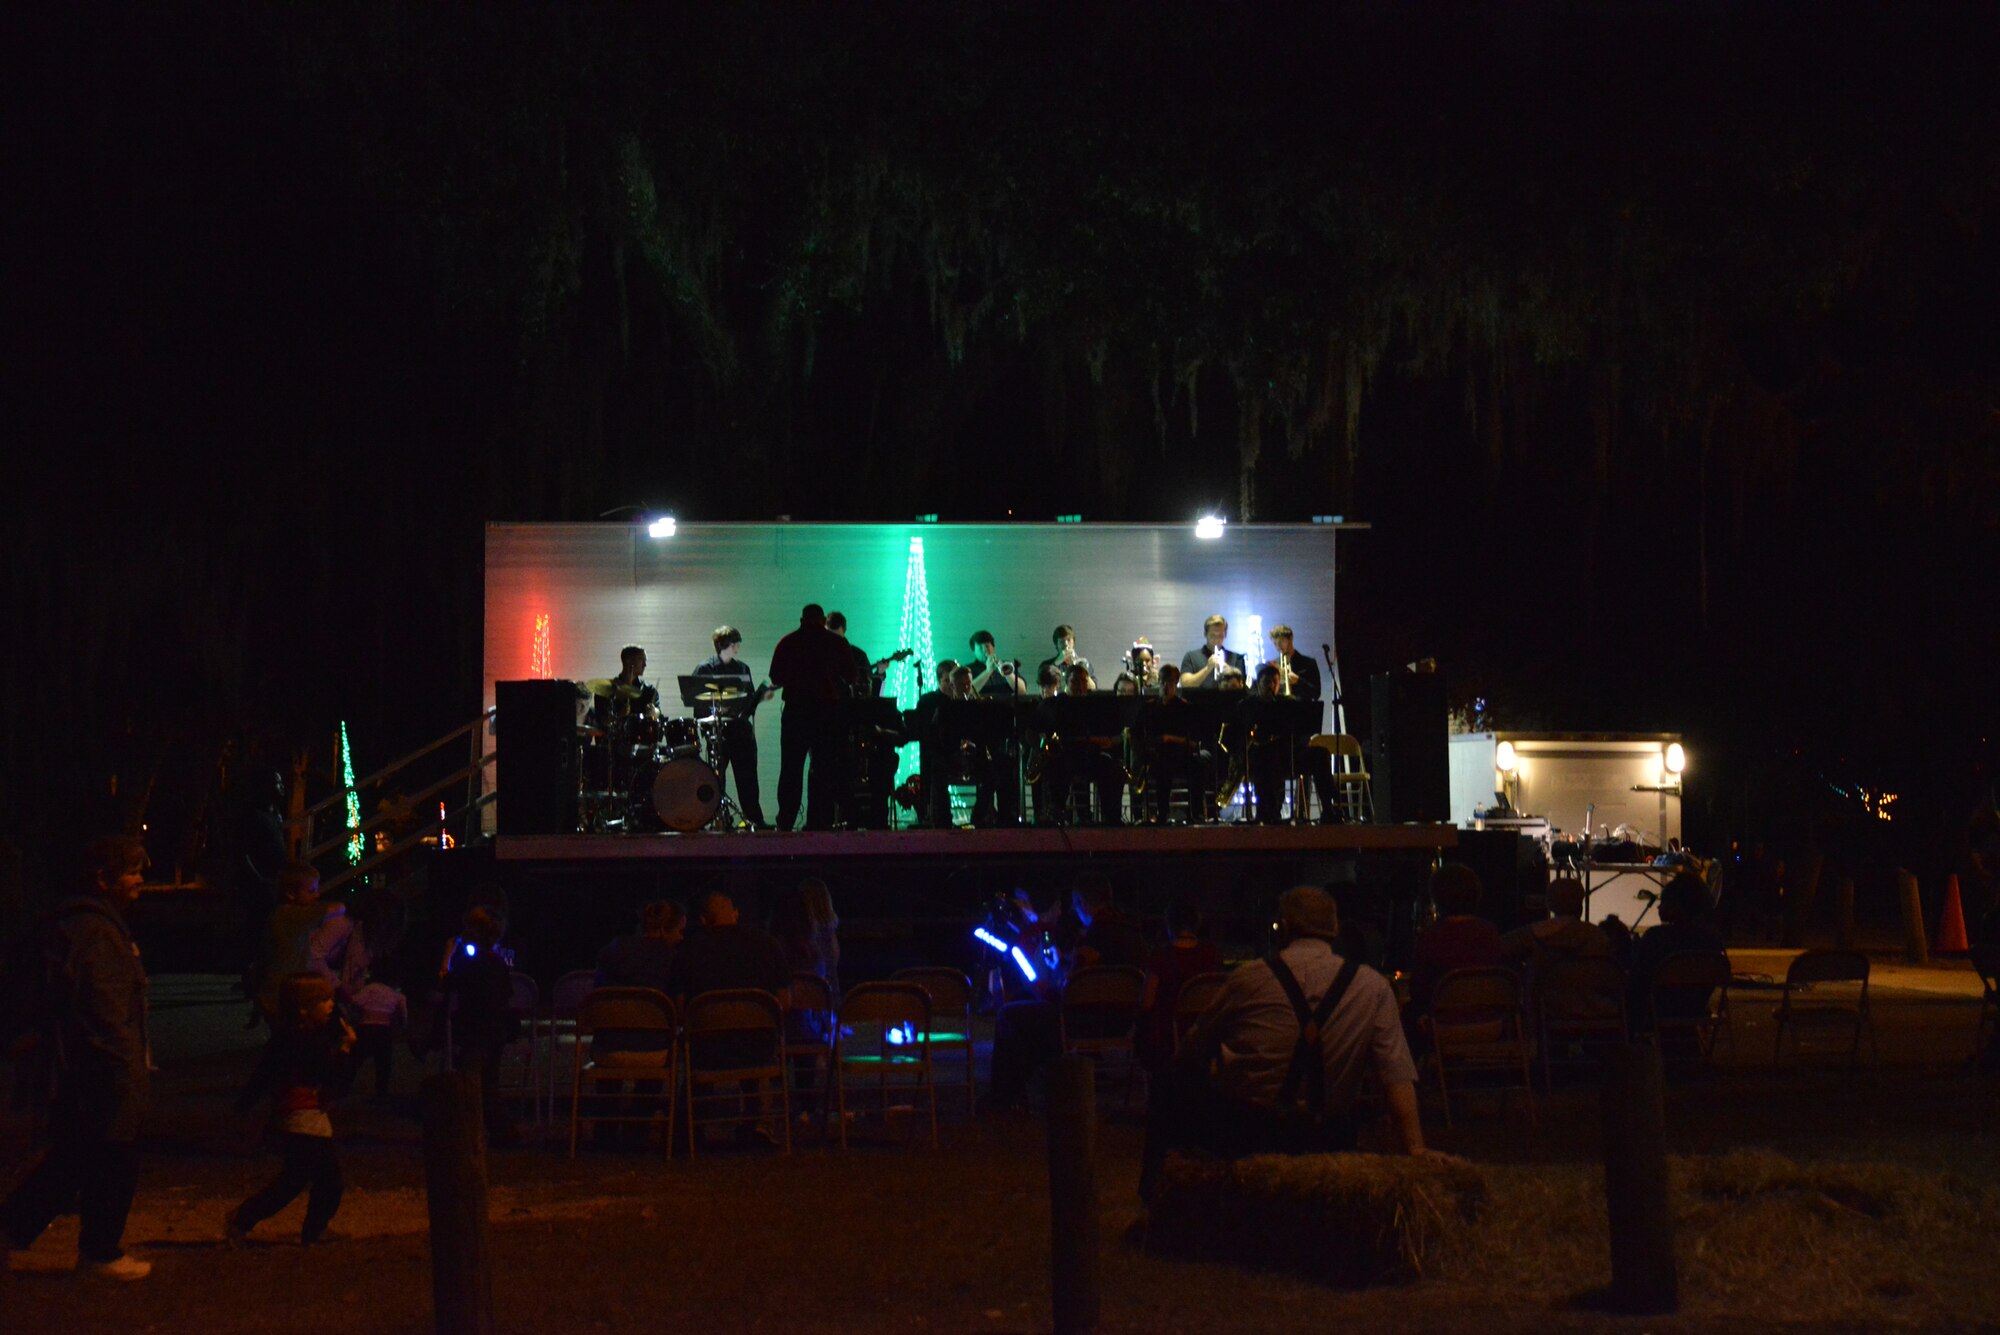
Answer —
603 586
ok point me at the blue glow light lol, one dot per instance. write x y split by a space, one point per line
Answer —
990 939
1027 969
471 949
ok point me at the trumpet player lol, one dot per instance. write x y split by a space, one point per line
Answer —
1298 675
990 675
1213 664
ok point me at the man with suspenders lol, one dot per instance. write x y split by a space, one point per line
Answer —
1275 1063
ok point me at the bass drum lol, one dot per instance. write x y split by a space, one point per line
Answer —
686 794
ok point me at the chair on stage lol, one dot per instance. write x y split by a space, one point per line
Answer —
735 1037
1799 1013
1194 998
886 1028
1690 999
1354 794
810 1024
1580 1002
951 1017
1099 1017
633 1013
1478 1023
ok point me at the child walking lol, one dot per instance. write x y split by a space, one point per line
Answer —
304 1065
383 1010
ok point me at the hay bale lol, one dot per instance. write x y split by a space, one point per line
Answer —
1349 1220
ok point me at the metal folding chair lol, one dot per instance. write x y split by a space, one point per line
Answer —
1478 1023
721 1030
638 1011
951 1019
1800 1013
885 1028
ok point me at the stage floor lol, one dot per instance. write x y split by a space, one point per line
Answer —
1025 843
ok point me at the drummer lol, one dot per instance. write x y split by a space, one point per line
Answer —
736 748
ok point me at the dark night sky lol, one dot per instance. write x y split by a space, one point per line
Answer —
1655 340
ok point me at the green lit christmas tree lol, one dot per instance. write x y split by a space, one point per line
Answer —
909 678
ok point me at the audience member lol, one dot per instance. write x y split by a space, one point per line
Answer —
288 935
1563 935
1277 1063
825 929
384 1010
644 958
91 1031
725 954
1460 939
1183 957
480 984
305 1067
1027 1035
1682 903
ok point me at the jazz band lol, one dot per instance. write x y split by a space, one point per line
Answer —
1182 741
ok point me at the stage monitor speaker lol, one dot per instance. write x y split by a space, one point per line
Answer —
534 731
1412 763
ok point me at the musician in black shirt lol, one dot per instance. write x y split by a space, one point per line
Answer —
1212 665
1304 685
737 745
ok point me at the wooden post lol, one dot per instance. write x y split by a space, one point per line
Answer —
1799 900
1843 913
1643 1280
1916 945
1075 1263
455 1191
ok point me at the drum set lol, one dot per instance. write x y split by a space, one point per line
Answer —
643 772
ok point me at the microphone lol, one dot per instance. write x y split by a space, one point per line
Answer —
1326 649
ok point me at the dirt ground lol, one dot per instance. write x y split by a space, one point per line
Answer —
894 1236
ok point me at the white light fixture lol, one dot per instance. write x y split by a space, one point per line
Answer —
1208 526
663 527
1504 758
1677 758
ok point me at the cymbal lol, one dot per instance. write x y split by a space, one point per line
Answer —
608 687
720 693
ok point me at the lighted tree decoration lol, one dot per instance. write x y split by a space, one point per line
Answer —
907 678
541 659
353 797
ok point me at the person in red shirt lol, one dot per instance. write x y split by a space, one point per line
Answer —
1460 939
1183 957
816 669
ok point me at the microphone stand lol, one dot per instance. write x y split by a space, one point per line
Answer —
1333 687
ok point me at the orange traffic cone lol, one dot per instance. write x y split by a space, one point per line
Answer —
1951 922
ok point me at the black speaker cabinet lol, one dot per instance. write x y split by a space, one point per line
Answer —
1412 765
534 736
1513 874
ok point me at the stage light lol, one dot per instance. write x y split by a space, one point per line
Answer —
1505 759
1677 758
663 527
1208 527
1027 969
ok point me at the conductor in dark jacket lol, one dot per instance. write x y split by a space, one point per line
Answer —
93 1038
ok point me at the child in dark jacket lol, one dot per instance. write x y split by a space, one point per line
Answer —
304 1066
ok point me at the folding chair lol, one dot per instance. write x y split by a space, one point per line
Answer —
1800 1015
951 1015
886 1028
1680 979
809 1027
1353 791
1479 1024
1578 1001
737 1036
639 1012
564 999
1194 998
1099 1016
520 1071
1986 963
